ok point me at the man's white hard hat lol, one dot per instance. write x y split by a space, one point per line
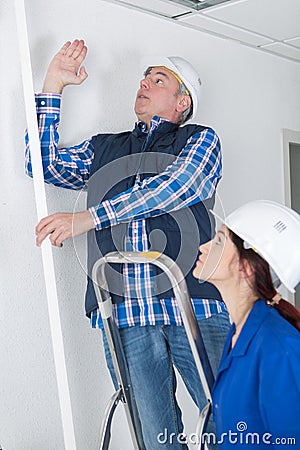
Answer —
273 230
183 69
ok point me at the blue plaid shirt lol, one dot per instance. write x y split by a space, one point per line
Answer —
193 176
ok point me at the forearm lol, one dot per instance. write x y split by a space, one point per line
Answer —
65 167
52 84
48 116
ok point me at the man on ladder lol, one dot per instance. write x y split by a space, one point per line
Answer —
150 188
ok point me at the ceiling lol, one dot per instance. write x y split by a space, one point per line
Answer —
271 26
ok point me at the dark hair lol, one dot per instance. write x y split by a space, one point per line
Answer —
262 282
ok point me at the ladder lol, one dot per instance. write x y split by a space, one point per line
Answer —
125 391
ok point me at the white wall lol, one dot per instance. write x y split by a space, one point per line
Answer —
248 97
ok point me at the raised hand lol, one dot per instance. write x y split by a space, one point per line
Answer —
65 68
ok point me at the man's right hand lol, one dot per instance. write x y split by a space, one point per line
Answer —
65 68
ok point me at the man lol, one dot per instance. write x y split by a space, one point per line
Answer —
149 188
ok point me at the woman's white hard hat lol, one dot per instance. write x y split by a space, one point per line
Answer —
183 69
273 230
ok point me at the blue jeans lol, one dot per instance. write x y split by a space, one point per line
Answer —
151 353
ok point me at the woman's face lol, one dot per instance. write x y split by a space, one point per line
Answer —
219 259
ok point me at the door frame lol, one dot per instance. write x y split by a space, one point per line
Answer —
288 137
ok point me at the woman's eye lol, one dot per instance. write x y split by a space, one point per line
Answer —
218 240
159 81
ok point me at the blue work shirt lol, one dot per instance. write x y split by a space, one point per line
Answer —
256 395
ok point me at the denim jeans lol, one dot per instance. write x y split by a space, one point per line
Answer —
151 353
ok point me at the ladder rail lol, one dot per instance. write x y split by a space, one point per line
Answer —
119 364
190 323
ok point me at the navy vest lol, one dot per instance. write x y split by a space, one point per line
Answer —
118 158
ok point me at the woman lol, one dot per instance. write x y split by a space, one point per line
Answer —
256 396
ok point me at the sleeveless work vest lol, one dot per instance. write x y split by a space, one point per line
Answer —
118 158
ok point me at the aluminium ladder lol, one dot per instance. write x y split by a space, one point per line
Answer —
125 392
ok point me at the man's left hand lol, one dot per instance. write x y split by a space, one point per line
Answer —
62 226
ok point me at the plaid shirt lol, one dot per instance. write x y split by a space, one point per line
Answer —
193 176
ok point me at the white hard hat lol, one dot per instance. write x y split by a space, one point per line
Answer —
273 230
183 69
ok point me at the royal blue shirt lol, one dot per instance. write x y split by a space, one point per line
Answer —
257 390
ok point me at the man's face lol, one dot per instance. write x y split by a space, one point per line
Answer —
158 96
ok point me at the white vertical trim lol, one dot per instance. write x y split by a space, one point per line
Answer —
41 206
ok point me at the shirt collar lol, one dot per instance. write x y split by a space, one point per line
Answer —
154 124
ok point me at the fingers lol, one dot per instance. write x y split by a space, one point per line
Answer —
81 56
72 48
79 50
62 226
76 49
58 237
64 48
57 226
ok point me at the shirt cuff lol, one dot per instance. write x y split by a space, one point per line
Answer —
103 215
47 103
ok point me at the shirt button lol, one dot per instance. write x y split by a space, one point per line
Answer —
135 231
43 103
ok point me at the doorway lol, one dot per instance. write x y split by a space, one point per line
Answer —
291 147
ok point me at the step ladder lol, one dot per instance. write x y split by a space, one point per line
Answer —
125 392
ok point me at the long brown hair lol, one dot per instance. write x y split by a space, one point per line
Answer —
262 281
